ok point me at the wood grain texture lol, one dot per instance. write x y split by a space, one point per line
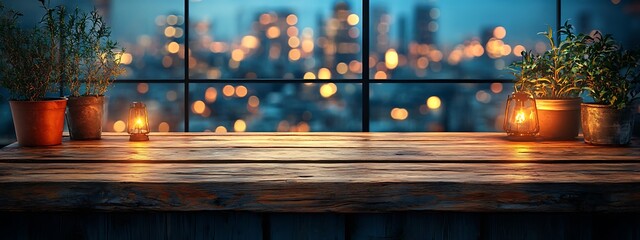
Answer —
320 197
321 172
320 147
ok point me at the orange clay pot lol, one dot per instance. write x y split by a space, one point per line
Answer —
559 119
39 123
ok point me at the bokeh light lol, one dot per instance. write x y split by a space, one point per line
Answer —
327 90
240 126
119 126
391 59
211 94
228 90
221 129
198 107
173 47
163 127
399 114
434 102
241 91
499 32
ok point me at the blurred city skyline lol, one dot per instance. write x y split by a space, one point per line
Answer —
287 39
458 18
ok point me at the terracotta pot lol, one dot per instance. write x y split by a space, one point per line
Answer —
604 125
38 123
85 117
559 119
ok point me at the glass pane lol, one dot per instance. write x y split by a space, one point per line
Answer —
164 105
453 39
477 107
617 17
280 39
150 31
7 132
260 107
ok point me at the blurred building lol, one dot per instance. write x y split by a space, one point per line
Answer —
379 33
425 24
342 43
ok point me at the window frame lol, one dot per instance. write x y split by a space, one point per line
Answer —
365 79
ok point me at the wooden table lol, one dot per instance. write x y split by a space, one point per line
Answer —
345 179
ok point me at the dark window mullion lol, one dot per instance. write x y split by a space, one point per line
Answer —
186 66
365 66
558 20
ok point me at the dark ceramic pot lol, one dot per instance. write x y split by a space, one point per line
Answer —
85 117
605 125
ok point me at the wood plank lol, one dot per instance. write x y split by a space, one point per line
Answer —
365 226
323 155
243 225
183 142
616 226
445 225
320 197
313 140
295 226
315 147
321 173
416 225
541 226
320 187
132 225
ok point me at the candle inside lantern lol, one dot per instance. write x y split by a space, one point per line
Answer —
520 117
521 120
138 122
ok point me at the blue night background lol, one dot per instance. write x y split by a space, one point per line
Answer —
442 40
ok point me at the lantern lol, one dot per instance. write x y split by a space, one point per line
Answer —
138 125
521 116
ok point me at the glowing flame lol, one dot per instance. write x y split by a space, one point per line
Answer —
139 123
520 117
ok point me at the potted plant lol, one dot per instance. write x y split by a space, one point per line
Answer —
612 76
29 69
90 67
554 79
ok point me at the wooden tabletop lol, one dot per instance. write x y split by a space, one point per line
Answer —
321 172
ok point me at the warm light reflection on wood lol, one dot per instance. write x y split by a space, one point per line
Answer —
135 172
523 152
517 178
140 151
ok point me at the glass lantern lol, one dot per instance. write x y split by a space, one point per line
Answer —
138 124
521 116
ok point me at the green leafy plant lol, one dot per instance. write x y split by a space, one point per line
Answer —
612 73
29 61
91 58
555 73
